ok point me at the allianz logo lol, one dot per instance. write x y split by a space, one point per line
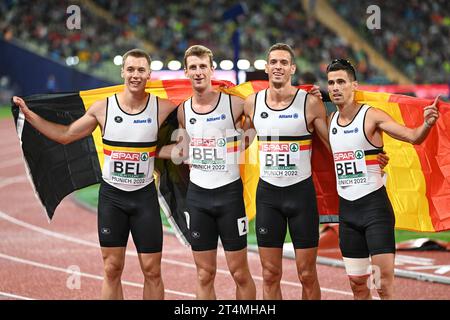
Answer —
288 116
149 120
221 117
352 130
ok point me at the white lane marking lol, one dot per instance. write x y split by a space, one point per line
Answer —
4 182
404 259
442 269
11 162
83 274
15 296
133 253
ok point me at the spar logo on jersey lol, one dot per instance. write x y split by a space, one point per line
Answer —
275 147
138 121
221 142
351 131
126 156
348 155
203 142
221 117
293 147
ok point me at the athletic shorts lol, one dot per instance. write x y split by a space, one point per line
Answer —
120 212
294 206
366 225
217 212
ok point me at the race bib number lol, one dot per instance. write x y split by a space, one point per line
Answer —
130 168
208 154
279 159
350 167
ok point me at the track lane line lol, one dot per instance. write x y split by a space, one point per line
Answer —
133 253
15 296
83 274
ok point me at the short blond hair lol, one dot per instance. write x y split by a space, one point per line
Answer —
137 53
198 51
284 47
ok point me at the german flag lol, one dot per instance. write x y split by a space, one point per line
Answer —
418 176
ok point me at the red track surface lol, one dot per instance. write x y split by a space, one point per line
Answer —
35 256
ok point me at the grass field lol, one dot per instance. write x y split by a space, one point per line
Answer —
5 112
89 196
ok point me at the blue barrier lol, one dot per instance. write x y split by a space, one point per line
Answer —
31 73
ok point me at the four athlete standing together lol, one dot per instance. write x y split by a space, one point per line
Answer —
284 119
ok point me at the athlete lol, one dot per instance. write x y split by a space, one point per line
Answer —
285 118
215 194
129 123
366 218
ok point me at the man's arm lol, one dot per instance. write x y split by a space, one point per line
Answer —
165 107
397 131
237 108
316 117
249 128
64 134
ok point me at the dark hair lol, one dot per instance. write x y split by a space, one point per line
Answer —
342 64
137 53
283 47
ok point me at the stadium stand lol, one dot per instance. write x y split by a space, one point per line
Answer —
418 46
415 37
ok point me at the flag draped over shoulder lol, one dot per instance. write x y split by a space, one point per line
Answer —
57 170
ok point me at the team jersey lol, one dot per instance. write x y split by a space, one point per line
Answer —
284 141
357 169
129 145
214 146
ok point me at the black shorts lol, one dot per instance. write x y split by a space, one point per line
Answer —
217 212
366 225
294 206
120 212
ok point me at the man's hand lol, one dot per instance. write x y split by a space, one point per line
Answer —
22 105
315 91
431 113
383 159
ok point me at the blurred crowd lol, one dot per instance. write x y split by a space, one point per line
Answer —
419 46
42 27
414 35
175 26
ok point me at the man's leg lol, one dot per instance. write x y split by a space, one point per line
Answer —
146 229
358 271
385 271
307 273
206 263
151 268
113 263
360 287
238 266
272 269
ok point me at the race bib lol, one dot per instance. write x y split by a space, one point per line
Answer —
130 168
279 159
350 167
208 154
